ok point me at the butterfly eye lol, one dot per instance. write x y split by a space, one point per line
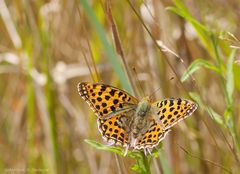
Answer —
142 113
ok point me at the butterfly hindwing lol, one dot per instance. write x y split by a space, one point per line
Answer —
171 111
106 100
113 131
152 137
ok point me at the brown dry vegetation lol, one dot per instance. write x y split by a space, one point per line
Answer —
47 47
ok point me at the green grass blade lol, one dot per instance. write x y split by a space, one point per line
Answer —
165 165
203 32
230 87
112 57
30 110
228 114
50 103
185 14
214 115
195 65
230 77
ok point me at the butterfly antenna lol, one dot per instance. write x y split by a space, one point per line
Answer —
139 84
154 92
172 78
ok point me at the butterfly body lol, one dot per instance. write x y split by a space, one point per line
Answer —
126 121
142 120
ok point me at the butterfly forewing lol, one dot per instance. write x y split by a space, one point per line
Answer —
105 100
171 111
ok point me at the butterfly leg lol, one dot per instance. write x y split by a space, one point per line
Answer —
126 150
149 151
110 143
133 141
145 152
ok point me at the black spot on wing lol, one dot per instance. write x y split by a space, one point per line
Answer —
104 104
107 97
171 103
113 108
99 99
115 101
112 92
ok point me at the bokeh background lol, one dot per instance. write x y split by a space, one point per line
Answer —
187 49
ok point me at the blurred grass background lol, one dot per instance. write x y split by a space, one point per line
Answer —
188 49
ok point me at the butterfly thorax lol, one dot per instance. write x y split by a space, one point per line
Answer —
141 121
143 107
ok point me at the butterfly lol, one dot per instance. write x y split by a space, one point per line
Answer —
126 121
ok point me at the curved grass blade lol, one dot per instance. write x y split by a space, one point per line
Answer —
195 65
214 115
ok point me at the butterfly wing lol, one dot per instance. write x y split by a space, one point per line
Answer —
105 100
152 137
171 111
113 130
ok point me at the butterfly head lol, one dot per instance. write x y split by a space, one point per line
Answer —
147 99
